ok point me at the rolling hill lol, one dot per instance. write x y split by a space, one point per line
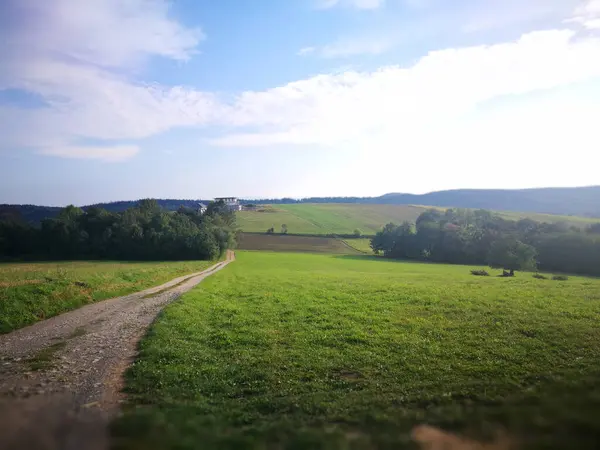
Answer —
578 201
344 218
534 203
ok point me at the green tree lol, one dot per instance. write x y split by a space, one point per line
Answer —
511 254
284 229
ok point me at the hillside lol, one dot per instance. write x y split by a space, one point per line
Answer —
579 201
344 218
534 203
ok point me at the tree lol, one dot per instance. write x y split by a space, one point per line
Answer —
271 230
357 233
511 254
284 229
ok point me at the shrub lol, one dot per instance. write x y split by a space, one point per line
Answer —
560 278
539 276
480 273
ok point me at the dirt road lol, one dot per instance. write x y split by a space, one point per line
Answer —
61 379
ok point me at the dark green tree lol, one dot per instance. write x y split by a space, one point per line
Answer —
511 254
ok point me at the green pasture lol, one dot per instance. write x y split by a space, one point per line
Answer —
303 351
30 292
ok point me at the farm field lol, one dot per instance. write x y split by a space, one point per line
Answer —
335 351
285 243
30 292
362 245
344 218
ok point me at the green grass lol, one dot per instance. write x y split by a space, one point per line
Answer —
350 352
343 218
30 292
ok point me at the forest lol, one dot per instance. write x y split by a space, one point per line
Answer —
143 232
480 237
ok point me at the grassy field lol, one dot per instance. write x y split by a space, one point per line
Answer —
326 218
350 352
283 243
332 218
32 292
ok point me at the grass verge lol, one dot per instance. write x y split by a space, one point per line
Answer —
32 292
313 351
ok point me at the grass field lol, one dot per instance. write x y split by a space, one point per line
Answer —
332 218
350 352
326 218
30 292
283 243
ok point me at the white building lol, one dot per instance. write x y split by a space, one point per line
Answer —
231 202
202 208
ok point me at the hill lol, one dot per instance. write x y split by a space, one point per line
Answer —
579 201
344 218
534 203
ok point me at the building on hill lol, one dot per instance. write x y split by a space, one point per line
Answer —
202 208
231 202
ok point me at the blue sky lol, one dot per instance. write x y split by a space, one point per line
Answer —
121 99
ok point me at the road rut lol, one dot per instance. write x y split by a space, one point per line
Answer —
61 379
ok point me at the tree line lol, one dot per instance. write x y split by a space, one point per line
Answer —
480 237
143 232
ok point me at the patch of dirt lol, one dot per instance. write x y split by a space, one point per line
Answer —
80 358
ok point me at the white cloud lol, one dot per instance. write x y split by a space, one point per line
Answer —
81 58
588 15
432 104
359 4
404 106
115 153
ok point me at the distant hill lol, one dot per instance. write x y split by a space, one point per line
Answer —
581 201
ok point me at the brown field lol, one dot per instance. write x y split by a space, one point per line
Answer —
283 243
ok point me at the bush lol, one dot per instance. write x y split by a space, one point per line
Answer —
560 278
539 276
480 273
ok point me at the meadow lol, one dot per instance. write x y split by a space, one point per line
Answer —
350 352
30 292
345 218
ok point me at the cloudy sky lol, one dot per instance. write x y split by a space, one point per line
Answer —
106 100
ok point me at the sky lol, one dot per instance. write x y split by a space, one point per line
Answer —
108 100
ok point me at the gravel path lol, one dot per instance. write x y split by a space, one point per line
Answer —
61 379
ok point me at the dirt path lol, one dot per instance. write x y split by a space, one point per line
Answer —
61 379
